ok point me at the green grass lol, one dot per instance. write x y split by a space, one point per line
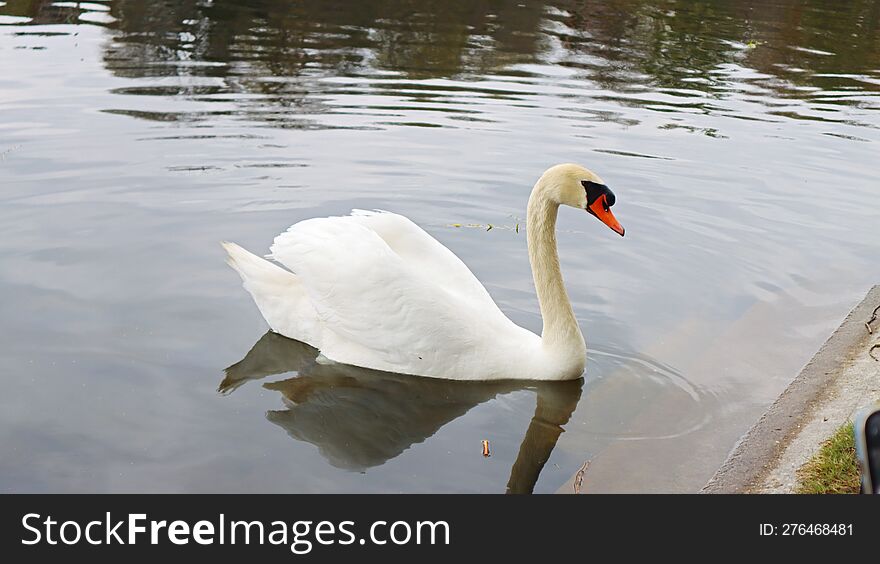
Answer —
834 469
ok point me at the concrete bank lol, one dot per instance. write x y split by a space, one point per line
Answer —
841 378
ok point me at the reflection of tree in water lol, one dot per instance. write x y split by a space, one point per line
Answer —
849 29
276 38
280 49
682 44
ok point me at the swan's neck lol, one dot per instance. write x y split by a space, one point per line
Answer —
561 333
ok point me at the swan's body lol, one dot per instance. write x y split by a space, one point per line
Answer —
374 290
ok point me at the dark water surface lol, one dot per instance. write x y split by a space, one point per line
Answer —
740 137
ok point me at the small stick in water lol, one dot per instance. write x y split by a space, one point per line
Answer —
579 477
486 448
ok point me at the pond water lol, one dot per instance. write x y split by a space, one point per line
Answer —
740 138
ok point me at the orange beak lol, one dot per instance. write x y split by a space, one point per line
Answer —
599 209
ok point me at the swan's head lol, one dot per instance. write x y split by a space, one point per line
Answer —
578 187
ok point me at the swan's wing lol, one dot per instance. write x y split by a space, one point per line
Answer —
377 309
424 253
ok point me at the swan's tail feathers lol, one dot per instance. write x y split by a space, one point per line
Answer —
278 293
269 284
255 269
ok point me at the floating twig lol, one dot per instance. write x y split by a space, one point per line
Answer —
579 477
871 351
486 448
490 226
486 227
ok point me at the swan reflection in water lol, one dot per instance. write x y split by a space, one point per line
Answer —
360 418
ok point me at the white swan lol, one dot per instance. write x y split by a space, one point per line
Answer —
374 290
